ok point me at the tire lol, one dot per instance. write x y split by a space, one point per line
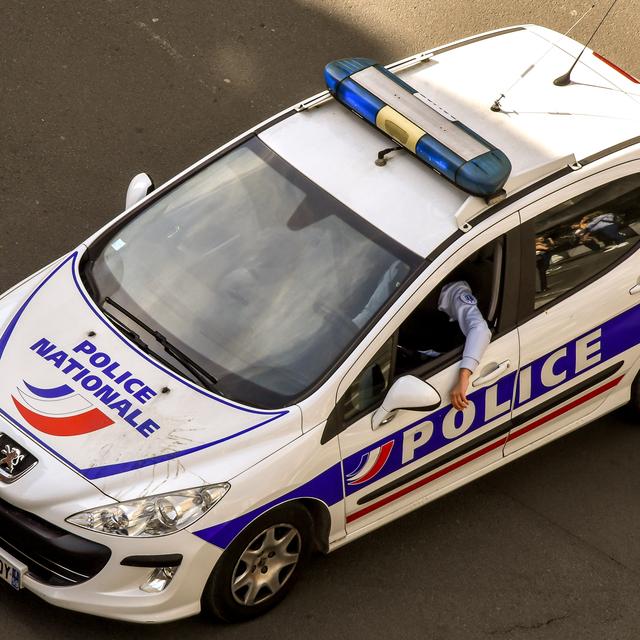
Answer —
264 562
634 404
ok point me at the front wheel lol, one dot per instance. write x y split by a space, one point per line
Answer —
260 566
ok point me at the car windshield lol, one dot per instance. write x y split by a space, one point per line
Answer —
254 272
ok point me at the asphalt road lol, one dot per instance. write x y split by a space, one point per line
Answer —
93 92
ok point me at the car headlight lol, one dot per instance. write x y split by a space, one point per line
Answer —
153 516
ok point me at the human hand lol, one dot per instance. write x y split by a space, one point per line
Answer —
459 392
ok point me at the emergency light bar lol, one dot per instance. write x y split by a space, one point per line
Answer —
419 125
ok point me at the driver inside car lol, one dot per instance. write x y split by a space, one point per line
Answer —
456 304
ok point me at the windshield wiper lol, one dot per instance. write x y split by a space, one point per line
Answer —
137 340
203 376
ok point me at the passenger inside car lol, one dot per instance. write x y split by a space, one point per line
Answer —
585 236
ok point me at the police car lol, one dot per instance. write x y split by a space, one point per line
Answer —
249 363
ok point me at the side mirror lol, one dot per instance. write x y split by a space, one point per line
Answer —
407 392
139 187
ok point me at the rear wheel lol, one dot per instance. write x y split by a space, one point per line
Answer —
635 397
260 566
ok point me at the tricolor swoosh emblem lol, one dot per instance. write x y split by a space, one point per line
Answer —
59 411
370 464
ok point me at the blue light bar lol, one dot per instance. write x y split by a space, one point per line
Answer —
418 124
336 71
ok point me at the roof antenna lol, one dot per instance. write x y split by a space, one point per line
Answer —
496 106
381 159
565 79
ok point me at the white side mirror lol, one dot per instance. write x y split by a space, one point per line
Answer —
139 187
407 392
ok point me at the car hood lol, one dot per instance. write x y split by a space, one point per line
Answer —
88 397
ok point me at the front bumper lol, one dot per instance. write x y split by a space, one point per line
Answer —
87 575
54 556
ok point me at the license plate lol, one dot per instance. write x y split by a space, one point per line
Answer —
11 570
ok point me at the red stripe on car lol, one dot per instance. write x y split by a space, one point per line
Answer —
70 426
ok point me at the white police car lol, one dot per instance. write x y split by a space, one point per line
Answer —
249 364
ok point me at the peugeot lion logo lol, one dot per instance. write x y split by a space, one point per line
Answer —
11 458
15 460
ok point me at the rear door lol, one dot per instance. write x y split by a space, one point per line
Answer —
580 304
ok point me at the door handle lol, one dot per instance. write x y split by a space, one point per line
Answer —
493 375
635 290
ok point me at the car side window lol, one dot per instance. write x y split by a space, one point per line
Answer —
370 387
584 236
428 339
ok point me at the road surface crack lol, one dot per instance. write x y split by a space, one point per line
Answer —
528 627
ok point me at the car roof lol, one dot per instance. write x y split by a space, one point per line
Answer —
539 124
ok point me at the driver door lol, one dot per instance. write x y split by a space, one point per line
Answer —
419 454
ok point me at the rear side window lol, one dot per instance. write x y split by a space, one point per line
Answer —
584 236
